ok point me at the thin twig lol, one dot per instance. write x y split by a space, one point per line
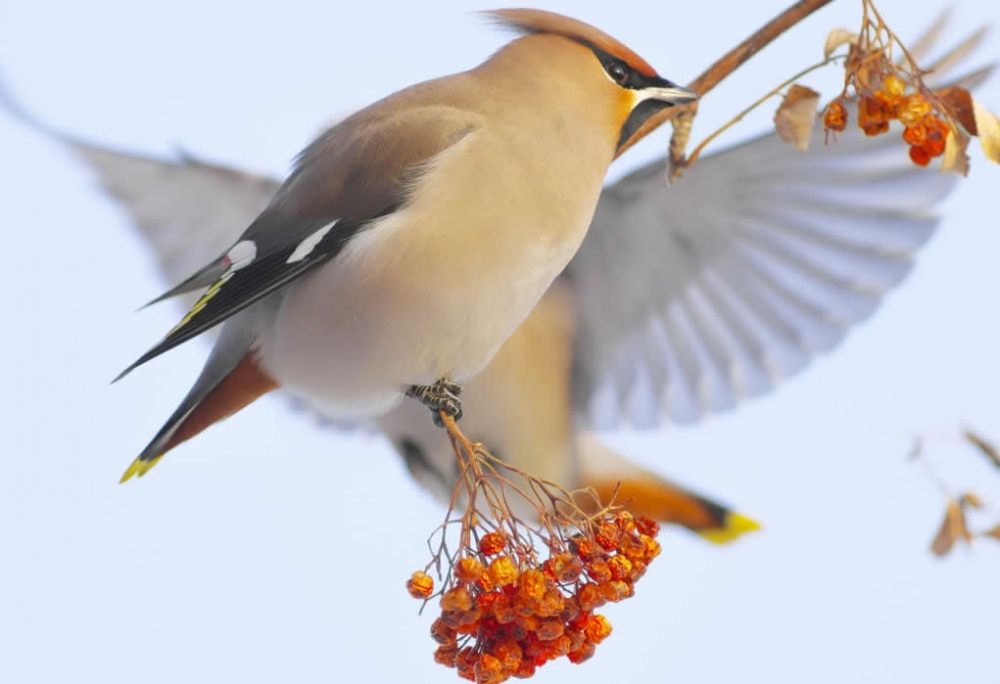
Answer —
729 63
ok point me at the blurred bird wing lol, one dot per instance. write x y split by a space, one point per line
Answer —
358 172
188 210
695 297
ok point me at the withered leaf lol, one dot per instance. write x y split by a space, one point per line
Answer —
988 127
958 102
994 533
952 529
955 158
987 448
796 116
970 499
836 38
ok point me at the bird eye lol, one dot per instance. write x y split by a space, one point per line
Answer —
618 72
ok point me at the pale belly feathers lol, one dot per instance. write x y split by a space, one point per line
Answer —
430 291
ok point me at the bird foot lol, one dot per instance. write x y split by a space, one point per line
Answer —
441 396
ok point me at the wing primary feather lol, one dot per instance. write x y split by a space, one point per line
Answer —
238 288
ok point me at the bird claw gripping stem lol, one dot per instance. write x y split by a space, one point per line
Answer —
443 395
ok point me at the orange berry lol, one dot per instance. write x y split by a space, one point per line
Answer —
870 109
452 618
550 604
489 628
915 134
531 584
652 549
487 602
598 570
566 568
576 638
613 590
532 647
585 548
458 599
915 110
442 633
489 670
523 606
503 571
526 670
484 582
625 521
589 597
935 148
561 646
608 534
647 526
420 585
638 570
893 85
937 135
582 654
465 661
631 546
621 567
570 610
896 105
469 617
493 543
597 629
503 610
468 569
528 622
445 655
920 156
873 128
549 629
508 653
835 118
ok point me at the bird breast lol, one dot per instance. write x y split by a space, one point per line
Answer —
435 288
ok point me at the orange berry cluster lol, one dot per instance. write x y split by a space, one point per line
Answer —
925 132
501 618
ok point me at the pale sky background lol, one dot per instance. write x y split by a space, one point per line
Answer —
268 550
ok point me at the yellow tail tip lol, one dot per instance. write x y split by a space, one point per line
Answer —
736 526
138 468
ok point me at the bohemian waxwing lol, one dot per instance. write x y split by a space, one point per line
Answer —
831 198
413 237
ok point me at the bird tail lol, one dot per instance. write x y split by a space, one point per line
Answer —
643 492
230 380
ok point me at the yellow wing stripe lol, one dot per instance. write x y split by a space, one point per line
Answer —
202 302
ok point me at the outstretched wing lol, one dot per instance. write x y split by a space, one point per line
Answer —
189 211
694 297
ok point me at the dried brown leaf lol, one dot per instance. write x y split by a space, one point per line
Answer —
995 533
952 528
970 499
796 116
987 448
955 158
958 102
836 38
989 131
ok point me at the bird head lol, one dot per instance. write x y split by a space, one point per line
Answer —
602 70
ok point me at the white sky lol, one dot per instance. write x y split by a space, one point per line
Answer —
268 550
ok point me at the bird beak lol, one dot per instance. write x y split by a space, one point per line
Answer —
664 91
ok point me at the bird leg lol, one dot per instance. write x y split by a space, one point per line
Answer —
441 396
